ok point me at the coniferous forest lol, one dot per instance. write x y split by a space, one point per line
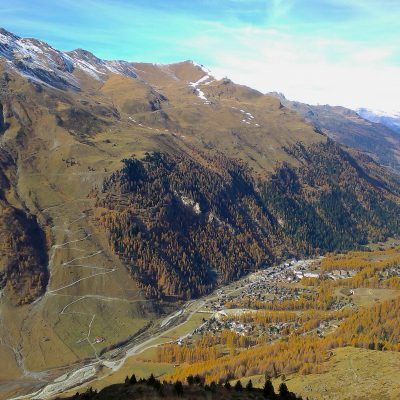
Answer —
182 225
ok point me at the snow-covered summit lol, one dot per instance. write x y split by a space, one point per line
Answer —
389 118
37 60
380 113
44 64
41 62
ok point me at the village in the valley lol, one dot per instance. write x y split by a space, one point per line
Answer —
275 284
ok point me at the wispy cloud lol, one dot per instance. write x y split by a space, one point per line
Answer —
310 69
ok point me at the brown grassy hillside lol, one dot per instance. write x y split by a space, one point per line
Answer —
68 122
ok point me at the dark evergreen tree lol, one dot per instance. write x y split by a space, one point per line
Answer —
283 391
249 385
268 390
133 380
238 386
151 380
178 388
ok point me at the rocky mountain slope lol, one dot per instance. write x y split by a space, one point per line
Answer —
128 187
364 131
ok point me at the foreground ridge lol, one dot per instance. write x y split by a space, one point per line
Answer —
194 389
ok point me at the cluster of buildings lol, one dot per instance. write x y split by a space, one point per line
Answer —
218 324
265 285
277 283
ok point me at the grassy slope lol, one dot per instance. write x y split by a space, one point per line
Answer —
354 374
44 134
57 193
43 334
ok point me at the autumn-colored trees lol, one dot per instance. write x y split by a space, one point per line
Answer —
377 327
23 255
184 224
299 347
181 227
361 260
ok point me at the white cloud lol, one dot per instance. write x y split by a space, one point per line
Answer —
309 69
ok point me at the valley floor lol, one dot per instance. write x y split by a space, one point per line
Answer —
222 310
176 327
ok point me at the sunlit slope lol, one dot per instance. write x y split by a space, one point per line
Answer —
219 115
68 120
51 169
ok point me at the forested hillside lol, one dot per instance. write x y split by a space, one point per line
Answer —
23 252
358 130
182 225
334 200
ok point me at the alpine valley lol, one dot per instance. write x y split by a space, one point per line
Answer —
131 193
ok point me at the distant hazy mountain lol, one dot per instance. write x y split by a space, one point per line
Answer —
349 128
391 120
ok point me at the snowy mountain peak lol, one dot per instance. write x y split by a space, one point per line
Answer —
42 63
380 113
37 60
85 55
390 119
200 66
7 37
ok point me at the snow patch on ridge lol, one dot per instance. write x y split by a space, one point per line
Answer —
198 91
248 118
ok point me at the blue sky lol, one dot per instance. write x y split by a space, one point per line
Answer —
328 51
